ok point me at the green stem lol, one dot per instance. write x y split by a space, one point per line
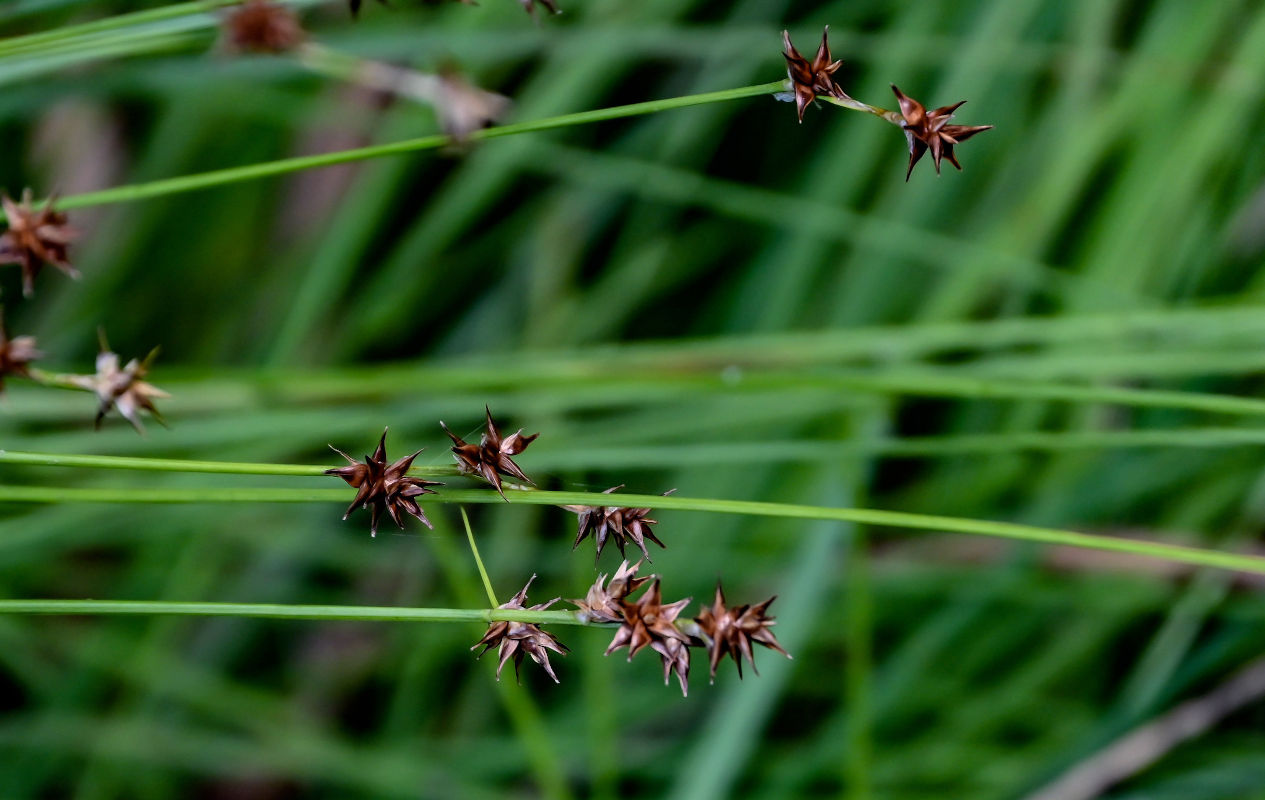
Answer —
35 41
483 573
863 516
221 177
285 611
181 465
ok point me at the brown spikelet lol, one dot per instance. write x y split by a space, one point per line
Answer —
604 601
617 524
384 487
929 130
262 26
650 623
516 639
35 238
809 79
730 631
492 456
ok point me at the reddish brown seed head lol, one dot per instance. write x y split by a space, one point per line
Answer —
516 639
35 237
809 79
381 486
730 631
492 456
262 26
605 601
16 354
929 130
650 623
617 524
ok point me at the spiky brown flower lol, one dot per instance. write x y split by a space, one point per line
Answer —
929 130
518 638
616 524
491 457
730 631
604 601
122 388
381 486
261 26
810 79
648 622
35 238
15 354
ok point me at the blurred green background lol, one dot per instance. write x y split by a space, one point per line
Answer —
574 281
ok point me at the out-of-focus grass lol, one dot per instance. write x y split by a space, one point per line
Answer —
1119 200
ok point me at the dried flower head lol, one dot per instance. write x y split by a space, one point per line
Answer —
730 631
616 524
381 486
35 238
464 108
491 457
810 79
122 388
648 622
604 601
261 26
929 130
518 638
15 354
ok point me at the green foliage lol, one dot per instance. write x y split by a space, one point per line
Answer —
713 298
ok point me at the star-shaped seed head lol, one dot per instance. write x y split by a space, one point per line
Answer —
16 354
382 486
122 388
810 79
492 456
605 601
516 639
930 130
649 622
262 26
35 238
730 631
615 524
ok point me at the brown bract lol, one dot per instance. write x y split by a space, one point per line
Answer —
811 78
604 601
516 639
15 354
261 26
929 130
122 388
730 631
616 524
35 238
649 622
381 486
491 457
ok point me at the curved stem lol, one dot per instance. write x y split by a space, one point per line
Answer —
38 40
478 561
181 465
221 177
863 516
286 611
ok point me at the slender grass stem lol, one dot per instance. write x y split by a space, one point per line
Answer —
863 516
286 611
222 177
181 465
478 561
40 39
